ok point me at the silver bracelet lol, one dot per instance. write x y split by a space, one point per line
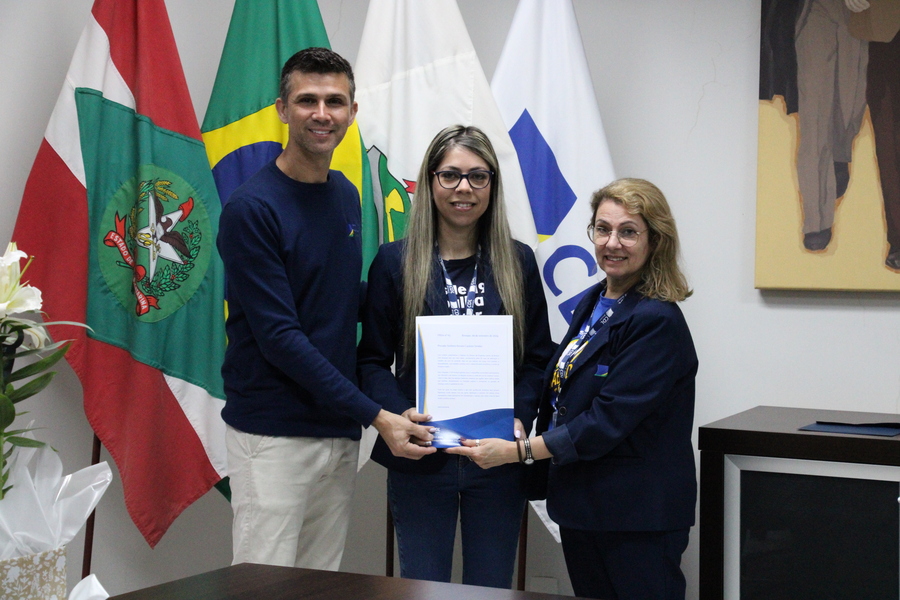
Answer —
529 457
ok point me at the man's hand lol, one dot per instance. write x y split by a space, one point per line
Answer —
403 435
416 417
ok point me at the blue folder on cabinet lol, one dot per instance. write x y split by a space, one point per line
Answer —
880 429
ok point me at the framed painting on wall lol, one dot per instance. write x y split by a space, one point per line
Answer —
828 179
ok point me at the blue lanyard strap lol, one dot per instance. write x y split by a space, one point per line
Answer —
450 289
598 319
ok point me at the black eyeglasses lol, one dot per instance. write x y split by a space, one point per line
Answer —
450 180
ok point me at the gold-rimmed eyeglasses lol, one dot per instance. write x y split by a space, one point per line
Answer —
628 236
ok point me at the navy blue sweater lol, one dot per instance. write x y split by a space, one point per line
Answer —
293 259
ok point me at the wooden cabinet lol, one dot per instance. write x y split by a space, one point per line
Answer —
770 433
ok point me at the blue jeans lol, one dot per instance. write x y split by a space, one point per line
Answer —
489 503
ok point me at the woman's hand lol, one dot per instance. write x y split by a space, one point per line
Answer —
487 453
518 429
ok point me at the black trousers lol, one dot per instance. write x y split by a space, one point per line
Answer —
625 565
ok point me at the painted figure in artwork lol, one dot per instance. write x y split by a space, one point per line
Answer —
831 83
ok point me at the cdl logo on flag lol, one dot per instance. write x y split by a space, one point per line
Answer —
551 199
550 194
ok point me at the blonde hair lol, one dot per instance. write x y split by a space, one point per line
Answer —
493 235
661 277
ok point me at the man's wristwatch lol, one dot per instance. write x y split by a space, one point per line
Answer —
529 457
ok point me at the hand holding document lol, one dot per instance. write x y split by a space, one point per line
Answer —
464 376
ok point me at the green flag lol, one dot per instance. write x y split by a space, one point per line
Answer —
242 131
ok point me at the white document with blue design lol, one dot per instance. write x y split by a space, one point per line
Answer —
464 376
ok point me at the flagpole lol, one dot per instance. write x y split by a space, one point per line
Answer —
389 545
523 550
89 527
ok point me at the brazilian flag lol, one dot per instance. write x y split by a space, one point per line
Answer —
242 131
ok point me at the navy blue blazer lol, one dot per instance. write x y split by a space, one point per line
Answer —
382 342
622 453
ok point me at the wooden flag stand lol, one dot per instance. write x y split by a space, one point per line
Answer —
89 526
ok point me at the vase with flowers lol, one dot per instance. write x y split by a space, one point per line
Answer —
21 337
40 510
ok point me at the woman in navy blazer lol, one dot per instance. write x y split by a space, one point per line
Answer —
458 258
617 410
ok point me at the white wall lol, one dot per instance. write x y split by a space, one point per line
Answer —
676 81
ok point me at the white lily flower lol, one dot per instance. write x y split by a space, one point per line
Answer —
36 335
12 257
15 297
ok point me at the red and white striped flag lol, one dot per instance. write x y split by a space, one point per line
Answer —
120 212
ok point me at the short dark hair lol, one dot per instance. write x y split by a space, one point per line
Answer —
315 60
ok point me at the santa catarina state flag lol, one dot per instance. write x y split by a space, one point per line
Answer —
120 212
241 128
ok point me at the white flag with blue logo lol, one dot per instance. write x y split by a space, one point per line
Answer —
544 91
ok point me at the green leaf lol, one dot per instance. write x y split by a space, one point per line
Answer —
75 323
23 353
25 442
7 412
31 388
39 366
21 431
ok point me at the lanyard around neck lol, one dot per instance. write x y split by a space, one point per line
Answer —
450 289
598 319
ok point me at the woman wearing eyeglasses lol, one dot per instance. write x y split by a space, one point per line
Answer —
458 258
618 408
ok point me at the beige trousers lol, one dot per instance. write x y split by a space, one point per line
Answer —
291 498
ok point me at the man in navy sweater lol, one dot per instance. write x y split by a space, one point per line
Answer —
290 241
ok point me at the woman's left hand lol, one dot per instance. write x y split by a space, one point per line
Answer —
487 453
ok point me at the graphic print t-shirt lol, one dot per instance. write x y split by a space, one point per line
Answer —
460 272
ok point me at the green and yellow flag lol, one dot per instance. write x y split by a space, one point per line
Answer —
242 131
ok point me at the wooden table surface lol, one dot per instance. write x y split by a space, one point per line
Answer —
254 582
